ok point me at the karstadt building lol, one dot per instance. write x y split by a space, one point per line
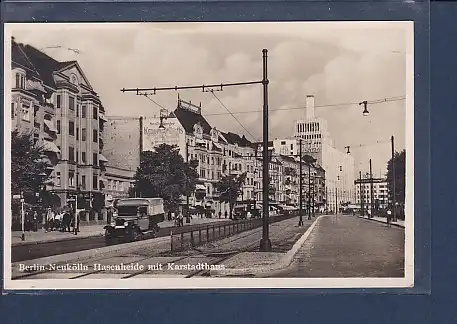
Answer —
312 132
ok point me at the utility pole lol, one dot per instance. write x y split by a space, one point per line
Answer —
371 191
22 217
362 193
187 183
265 243
394 208
336 200
300 222
138 189
309 190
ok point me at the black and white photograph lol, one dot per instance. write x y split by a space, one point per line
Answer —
209 155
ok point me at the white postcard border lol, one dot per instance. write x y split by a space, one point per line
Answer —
215 283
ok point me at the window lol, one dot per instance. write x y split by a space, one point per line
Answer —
58 127
71 128
25 112
83 182
77 156
283 142
77 110
83 134
77 133
95 182
71 178
95 159
94 136
58 101
71 153
95 113
58 183
83 111
83 157
20 81
13 110
121 186
71 103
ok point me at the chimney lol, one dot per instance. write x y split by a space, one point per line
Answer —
309 107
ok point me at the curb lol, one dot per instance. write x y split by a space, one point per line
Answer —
382 222
75 237
284 262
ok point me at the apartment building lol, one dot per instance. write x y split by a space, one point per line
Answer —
57 103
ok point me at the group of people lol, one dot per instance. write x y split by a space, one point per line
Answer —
62 221
179 218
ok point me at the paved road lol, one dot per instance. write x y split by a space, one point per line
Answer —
154 252
40 250
346 246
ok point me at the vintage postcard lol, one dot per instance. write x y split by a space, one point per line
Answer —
209 155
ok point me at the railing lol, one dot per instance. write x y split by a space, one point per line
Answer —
186 240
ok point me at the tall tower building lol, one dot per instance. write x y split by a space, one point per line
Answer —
317 142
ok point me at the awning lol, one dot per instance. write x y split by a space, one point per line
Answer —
200 187
50 147
102 158
50 125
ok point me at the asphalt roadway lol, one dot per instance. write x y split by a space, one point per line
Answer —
347 246
44 249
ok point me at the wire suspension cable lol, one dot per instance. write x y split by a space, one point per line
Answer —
317 106
212 92
378 101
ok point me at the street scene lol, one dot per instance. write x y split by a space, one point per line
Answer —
200 150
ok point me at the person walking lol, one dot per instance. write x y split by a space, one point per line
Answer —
181 219
389 217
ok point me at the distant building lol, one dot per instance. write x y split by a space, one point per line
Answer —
316 141
380 192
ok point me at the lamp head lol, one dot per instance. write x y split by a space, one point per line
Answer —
365 109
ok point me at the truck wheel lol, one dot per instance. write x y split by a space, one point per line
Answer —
137 235
109 239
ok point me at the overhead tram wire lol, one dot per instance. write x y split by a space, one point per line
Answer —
368 145
372 102
252 136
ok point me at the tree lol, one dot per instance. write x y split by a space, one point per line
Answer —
230 187
163 173
28 165
400 172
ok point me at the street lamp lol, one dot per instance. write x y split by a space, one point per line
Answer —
365 110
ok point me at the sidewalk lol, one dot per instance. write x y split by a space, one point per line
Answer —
398 223
86 231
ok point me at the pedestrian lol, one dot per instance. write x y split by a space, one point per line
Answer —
389 217
35 221
226 214
109 215
220 214
169 215
180 219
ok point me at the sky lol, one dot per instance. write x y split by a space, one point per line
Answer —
338 63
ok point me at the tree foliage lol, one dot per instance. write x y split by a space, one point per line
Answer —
230 187
28 164
400 174
163 173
